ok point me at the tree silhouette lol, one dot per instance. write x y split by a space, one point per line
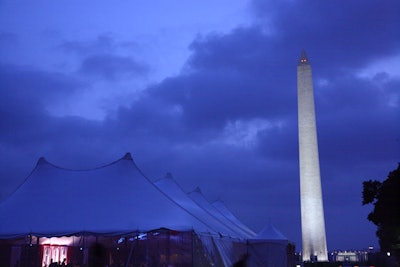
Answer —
385 196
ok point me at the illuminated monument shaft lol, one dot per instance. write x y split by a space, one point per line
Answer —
312 211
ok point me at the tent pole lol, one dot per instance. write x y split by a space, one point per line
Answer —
192 248
85 255
131 251
168 246
30 250
37 251
147 250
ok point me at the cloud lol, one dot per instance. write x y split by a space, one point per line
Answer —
102 44
106 57
27 94
112 67
8 39
248 75
235 78
211 98
228 121
346 34
28 130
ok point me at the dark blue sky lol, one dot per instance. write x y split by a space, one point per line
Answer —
207 91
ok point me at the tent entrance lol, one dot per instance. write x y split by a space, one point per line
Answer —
54 253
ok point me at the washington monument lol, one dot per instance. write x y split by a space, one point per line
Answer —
312 210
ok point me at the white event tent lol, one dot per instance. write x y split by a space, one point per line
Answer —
269 248
56 202
227 249
223 209
61 214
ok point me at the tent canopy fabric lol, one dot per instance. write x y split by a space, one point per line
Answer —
223 209
118 199
268 248
198 197
112 199
171 188
269 232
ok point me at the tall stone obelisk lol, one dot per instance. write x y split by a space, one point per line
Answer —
312 210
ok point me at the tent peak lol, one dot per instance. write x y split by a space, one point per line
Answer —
197 190
41 160
127 156
270 232
219 200
168 175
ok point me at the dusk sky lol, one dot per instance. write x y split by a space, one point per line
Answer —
206 90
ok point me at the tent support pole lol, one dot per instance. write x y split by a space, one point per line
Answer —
131 251
168 246
192 247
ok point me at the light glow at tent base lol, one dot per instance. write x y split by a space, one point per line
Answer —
60 241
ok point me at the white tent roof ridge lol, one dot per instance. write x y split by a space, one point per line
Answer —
197 189
42 161
270 232
127 156
199 198
169 177
87 192
220 205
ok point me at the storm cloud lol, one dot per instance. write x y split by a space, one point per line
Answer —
227 122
